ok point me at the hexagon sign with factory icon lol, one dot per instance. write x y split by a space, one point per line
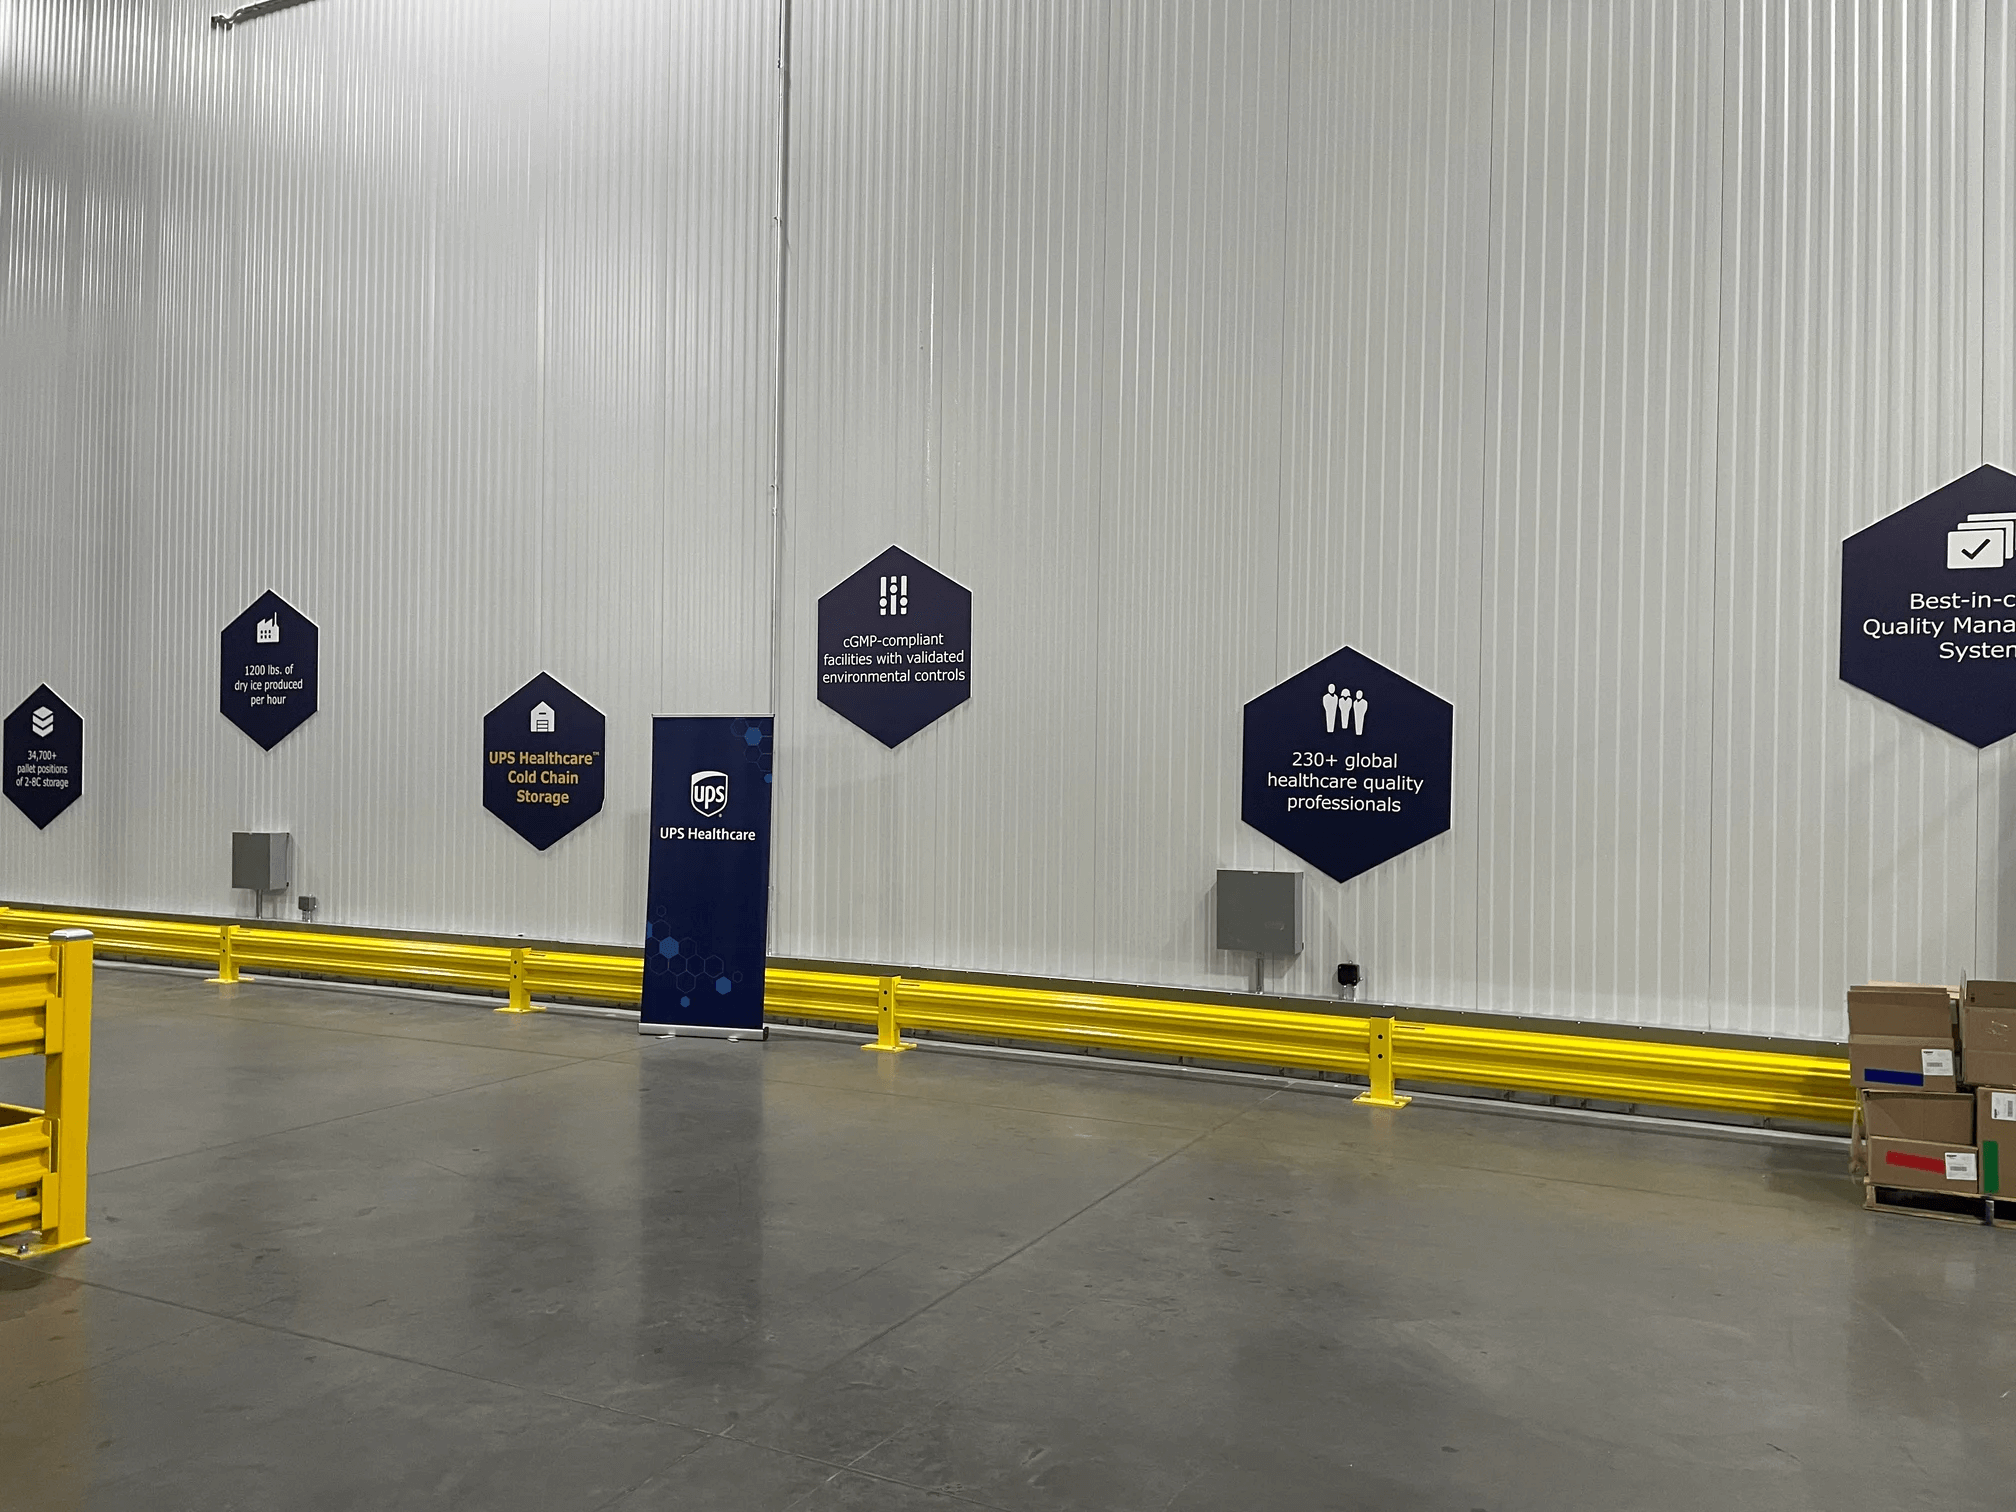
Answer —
270 670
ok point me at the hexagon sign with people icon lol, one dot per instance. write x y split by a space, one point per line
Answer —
1347 764
1928 607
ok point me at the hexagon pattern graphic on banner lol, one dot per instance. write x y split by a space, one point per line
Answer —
895 647
1347 764
42 749
543 761
1928 607
271 670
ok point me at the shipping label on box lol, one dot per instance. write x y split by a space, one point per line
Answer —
1924 1167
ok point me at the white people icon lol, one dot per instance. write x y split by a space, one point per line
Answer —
1343 712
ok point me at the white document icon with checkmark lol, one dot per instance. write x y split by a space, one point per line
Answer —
1981 540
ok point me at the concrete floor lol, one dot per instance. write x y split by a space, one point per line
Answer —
364 1252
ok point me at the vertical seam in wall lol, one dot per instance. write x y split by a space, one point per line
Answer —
1281 364
1974 317
1479 882
1718 501
777 407
1102 502
538 171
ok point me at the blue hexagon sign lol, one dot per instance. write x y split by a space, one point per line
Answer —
42 756
1347 764
1928 607
270 673
895 646
543 761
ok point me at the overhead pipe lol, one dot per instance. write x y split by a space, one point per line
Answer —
228 19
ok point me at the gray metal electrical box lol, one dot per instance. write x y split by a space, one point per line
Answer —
262 863
1260 911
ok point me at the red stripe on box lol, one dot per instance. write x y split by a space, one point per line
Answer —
1930 1163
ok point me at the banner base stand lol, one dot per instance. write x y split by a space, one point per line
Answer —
701 1031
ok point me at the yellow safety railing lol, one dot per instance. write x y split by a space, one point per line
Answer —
1384 1049
45 1010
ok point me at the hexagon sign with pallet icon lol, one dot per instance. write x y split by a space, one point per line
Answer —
42 752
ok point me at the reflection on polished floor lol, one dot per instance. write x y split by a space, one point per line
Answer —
368 1252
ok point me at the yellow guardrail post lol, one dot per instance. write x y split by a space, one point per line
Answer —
227 960
886 1036
520 998
67 1090
1380 1054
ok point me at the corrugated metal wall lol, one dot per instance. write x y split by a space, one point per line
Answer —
451 323
1543 351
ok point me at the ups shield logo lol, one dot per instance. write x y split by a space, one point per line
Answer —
709 793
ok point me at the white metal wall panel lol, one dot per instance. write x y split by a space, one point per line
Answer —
1082 413
1558 404
61 427
860 860
1382 430
1845 831
1542 350
1598 514
1192 512
1990 59
454 325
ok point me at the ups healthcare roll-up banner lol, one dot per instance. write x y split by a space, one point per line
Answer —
706 932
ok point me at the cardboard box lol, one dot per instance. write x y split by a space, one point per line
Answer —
1988 1045
1924 1166
1898 1064
1896 1012
1988 995
1995 1123
1989 1068
1927 1117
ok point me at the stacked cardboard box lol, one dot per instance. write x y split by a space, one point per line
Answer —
1901 1038
1903 1055
1936 1081
1922 1140
1988 1065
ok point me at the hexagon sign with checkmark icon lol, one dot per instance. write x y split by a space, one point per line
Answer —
1928 607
